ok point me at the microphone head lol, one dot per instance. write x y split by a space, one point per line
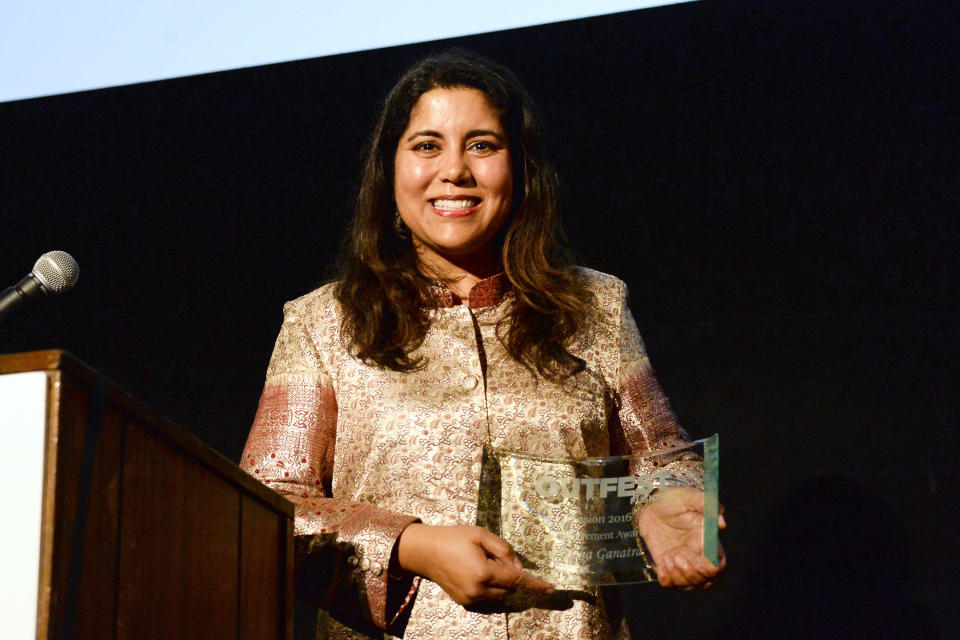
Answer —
57 271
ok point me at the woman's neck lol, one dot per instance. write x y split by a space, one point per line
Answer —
460 273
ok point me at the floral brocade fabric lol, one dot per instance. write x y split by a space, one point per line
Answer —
364 451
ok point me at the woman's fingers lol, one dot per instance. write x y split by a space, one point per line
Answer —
498 548
672 527
684 576
665 573
677 571
505 567
471 564
507 570
512 579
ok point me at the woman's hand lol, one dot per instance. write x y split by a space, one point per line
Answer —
470 563
672 527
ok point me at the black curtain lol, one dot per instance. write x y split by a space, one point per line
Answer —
776 182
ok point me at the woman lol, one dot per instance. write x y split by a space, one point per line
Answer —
457 321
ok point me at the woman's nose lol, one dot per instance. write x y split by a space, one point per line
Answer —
455 169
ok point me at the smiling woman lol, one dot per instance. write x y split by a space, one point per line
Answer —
453 184
456 125
457 322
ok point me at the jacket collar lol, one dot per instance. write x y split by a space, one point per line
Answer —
485 293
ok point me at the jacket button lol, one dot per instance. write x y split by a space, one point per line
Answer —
364 564
470 382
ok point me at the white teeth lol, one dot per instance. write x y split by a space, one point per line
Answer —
453 205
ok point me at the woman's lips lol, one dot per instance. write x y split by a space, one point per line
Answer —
454 207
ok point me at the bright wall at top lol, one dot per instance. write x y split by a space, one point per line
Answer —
60 46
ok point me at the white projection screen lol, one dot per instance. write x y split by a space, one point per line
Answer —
60 46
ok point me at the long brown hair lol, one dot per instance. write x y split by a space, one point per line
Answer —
381 289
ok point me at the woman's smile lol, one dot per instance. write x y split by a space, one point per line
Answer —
455 208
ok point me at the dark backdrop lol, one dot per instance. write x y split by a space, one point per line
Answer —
776 181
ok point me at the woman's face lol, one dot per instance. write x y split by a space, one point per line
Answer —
453 178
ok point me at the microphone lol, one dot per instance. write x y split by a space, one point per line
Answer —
54 272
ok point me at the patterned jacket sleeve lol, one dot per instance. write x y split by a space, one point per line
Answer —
344 547
644 421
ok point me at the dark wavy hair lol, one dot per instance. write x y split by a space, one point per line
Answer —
381 289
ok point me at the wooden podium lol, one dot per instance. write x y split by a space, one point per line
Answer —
145 532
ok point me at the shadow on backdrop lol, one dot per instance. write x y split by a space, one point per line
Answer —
833 566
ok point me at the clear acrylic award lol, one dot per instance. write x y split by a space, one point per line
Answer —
572 521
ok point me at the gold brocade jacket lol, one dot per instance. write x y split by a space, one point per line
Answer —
364 451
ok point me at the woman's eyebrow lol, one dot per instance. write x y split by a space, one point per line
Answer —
474 133
484 132
429 133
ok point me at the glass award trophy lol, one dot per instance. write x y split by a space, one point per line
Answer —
571 521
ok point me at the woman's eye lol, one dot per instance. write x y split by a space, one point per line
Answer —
483 146
426 146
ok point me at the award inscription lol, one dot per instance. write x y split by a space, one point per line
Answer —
571 521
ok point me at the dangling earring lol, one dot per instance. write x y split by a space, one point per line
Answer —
398 225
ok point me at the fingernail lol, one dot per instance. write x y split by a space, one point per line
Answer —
517 563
